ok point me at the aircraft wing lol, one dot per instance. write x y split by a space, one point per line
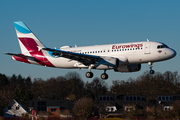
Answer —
23 56
82 58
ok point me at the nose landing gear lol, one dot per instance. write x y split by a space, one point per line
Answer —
150 66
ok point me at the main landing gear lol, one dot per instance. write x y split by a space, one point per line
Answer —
150 66
104 75
90 74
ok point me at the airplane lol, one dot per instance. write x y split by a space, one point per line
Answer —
120 57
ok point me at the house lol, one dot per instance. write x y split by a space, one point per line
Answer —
14 108
166 101
117 104
51 106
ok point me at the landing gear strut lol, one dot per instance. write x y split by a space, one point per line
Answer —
89 74
104 75
150 66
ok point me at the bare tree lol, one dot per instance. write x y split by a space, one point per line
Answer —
72 97
176 109
38 88
98 87
83 108
75 84
6 96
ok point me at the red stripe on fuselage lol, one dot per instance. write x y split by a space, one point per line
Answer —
31 46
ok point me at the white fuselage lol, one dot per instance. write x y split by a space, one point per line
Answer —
128 53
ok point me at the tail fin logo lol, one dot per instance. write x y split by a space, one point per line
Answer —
27 40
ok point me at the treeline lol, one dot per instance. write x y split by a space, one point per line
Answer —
72 87
149 85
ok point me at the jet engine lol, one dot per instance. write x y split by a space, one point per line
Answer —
128 68
107 63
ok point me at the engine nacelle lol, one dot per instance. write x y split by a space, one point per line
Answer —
128 68
107 63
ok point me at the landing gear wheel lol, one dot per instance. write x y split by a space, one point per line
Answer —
89 74
150 66
104 76
151 71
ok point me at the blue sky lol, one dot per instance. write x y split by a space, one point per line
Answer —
84 23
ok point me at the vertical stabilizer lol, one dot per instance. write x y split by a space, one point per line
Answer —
27 40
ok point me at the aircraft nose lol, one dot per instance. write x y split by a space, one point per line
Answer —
173 53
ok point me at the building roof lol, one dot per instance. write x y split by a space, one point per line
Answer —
14 108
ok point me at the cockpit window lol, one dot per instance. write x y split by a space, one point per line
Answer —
162 46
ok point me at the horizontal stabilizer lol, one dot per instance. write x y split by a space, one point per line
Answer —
23 56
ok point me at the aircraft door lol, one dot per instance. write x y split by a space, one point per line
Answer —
147 48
